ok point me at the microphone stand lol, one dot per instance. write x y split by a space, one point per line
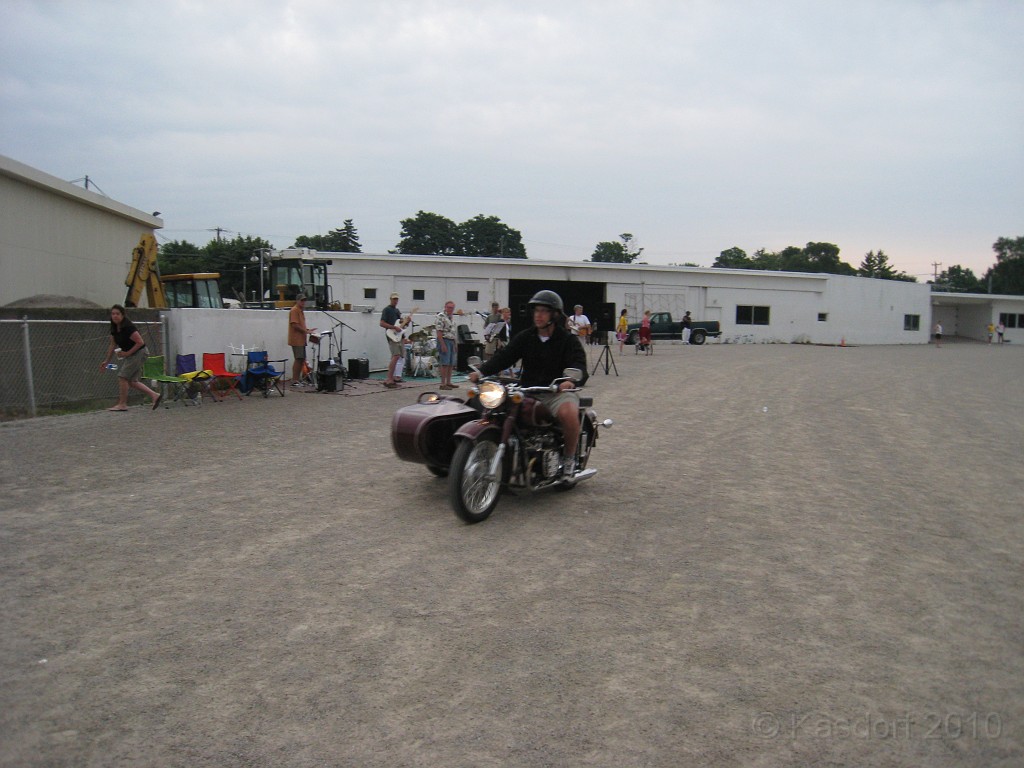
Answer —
339 325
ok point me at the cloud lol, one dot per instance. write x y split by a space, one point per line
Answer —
696 126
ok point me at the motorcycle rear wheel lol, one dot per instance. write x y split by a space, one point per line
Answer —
473 495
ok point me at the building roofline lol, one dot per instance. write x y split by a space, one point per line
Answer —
434 259
953 297
36 178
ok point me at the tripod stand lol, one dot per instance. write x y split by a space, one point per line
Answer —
609 361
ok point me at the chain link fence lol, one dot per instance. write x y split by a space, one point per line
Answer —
53 366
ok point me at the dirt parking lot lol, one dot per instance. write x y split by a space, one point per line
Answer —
791 555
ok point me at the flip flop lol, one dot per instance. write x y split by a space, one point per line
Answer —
118 410
156 403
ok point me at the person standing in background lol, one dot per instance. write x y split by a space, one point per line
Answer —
645 333
622 328
491 324
297 335
447 344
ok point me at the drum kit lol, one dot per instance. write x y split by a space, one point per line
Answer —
420 352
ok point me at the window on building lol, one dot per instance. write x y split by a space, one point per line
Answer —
418 294
911 322
369 293
1011 320
750 315
472 295
823 317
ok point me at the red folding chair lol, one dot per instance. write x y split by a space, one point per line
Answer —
228 380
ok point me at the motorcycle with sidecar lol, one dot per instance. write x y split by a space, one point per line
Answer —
500 437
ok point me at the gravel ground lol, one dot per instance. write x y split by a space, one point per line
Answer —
791 555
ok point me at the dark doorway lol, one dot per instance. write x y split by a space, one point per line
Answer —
590 295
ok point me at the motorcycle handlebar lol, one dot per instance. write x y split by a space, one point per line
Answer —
552 387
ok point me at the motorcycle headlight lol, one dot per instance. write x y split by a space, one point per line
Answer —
492 394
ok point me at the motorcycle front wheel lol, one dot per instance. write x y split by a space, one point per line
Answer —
473 494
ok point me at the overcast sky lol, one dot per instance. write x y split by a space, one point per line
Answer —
695 126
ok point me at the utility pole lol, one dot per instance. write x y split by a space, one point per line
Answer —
935 271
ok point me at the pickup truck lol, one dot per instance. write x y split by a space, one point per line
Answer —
664 327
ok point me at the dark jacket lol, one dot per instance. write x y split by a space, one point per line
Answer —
543 361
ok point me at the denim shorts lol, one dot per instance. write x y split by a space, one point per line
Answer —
446 356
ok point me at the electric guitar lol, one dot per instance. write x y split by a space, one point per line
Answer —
397 336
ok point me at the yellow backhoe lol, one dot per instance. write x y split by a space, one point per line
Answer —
200 289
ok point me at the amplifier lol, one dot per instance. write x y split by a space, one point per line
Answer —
358 368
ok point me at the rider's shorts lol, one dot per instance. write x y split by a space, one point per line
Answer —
553 400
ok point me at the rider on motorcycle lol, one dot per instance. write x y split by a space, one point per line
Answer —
546 350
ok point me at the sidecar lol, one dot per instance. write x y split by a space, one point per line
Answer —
424 431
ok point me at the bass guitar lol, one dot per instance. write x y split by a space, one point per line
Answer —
403 324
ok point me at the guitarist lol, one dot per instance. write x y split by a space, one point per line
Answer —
391 320
579 324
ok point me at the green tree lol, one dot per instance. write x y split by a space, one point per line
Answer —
1007 274
231 258
623 252
228 257
180 257
344 240
814 257
733 258
489 236
959 279
877 265
824 257
429 234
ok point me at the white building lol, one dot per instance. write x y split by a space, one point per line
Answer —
782 307
968 315
59 239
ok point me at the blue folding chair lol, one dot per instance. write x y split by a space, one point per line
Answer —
260 375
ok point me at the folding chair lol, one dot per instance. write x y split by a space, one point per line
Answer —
153 369
261 375
198 385
214 363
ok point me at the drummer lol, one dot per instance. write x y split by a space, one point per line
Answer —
297 334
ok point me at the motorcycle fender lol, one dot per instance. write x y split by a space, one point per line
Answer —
473 430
